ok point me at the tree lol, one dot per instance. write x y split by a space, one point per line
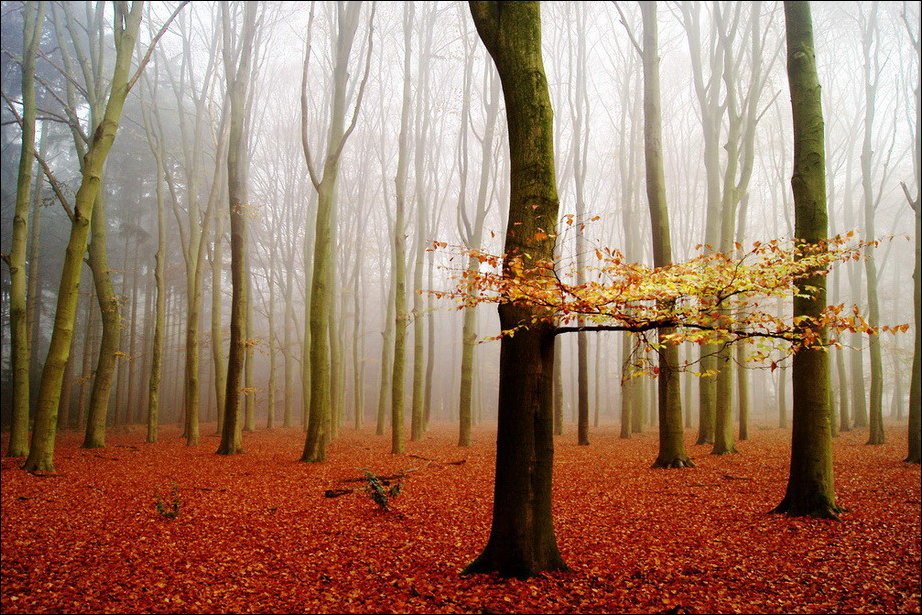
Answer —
127 21
319 322
870 39
399 252
19 330
671 434
522 541
238 60
914 454
471 230
154 133
811 488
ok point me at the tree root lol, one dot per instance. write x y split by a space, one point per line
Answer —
673 463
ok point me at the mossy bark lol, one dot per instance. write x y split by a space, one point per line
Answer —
33 13
811 488
522 541
41 455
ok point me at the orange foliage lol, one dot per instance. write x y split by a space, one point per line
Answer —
713 298
256 534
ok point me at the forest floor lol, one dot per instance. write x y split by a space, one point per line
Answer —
255 533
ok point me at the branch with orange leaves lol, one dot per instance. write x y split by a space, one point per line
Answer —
713 298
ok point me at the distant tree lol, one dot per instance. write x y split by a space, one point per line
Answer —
914 454
238 62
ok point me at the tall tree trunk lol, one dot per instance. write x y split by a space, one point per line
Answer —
109 347
319 325
237 77
522 541
400 256
671 433
387 350
811 489
217 330
86 373
914 440
41 454
33 291
19 332
870 36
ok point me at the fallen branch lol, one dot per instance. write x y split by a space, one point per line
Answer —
364 479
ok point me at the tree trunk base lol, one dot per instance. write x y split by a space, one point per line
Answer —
725 451
875 439
916 459
17 452
229 450
816 506
93 444
670 462
509 566
39 466
704 440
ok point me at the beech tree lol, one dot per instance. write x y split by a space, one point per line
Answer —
318 370
522 541
811 488
127 19
33 18
238 62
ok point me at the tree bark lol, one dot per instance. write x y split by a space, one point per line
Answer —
19 330
671 433
810 489
237 77
41 455
522 541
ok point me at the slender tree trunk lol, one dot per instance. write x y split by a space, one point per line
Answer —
237 77
41 454
671 433
870 33
387 350
33 291
19 331
400 256
217 330
109 347
89 342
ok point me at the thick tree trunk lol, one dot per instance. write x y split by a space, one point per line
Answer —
522 541
811 489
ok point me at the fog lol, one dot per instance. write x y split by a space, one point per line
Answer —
421 155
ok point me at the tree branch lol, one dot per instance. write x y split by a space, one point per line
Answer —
153 44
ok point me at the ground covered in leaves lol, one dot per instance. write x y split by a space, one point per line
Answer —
254 532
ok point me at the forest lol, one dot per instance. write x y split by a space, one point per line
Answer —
482 307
